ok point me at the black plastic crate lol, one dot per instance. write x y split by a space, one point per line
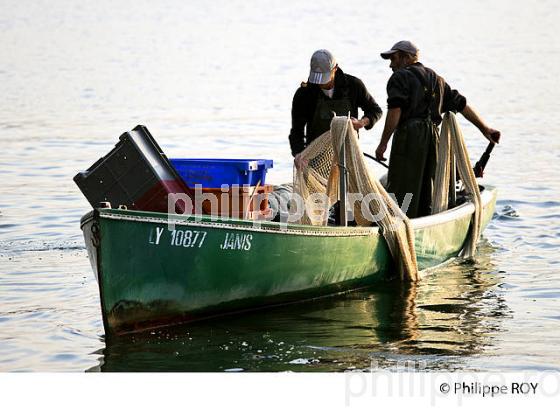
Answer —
136 173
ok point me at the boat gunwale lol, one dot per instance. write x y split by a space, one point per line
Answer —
463 210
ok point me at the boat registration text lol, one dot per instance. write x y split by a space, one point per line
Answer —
179 237
187 238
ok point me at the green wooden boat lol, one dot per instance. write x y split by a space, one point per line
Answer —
150 276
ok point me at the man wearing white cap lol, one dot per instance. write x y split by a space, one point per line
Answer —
416 99
328 90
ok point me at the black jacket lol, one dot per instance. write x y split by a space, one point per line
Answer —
305 101
407 89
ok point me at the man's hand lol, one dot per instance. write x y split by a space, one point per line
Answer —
357 124
381 148
300 162
492 135
391 122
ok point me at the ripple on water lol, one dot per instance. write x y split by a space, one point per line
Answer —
543 295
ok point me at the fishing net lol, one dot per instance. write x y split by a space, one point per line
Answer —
317 184
452 152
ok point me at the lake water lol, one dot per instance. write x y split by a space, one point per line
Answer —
217 79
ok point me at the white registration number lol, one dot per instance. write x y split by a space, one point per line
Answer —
187 238
179 237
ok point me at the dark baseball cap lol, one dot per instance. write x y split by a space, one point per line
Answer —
402 45
321 66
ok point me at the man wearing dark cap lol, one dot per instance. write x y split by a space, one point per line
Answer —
328 90
416 99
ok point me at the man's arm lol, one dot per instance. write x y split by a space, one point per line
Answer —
297 135
454 101
372 110
491 134
391 122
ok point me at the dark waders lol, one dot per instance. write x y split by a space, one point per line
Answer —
413 163
413 160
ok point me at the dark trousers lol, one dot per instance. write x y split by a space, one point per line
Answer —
412 165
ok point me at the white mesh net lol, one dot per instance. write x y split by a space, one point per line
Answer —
451 150
317 184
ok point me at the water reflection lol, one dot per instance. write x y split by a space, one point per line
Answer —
456 312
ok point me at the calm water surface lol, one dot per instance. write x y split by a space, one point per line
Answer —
217 80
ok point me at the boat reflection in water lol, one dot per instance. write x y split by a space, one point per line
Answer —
455 312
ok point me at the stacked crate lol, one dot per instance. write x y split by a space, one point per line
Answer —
136 174
227 187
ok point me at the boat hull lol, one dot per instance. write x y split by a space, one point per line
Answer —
151 273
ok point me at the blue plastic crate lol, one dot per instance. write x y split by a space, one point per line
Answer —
213 173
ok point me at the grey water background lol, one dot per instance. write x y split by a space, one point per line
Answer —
216 79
